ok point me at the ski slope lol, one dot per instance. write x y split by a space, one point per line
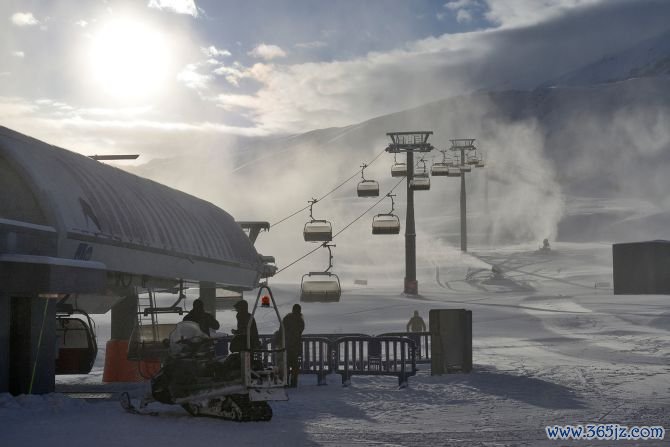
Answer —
549 348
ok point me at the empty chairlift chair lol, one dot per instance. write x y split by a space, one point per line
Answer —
454 170
386 223
440 168
77 347
321 286
317 230
367 188
421 180
399 169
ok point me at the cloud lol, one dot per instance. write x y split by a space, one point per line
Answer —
236 72
515 13
81 23
177 6
24 19
464 16
212 51
267 52
20 54
311 45
190 77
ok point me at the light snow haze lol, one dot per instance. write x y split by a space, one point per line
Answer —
259 106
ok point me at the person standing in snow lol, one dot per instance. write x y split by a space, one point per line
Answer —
198 315
416 323
294 325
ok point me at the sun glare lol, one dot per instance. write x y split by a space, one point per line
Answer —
129 59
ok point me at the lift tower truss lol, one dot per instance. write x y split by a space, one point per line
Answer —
410 142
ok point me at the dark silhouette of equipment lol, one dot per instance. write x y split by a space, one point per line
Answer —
234 386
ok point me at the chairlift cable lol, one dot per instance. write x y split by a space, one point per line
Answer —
297 260
339 232
329 192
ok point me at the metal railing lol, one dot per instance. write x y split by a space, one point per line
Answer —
394 356
421 341
391 354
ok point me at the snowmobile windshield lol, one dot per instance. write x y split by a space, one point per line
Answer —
185 330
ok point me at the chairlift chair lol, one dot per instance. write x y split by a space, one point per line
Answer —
439 169
466 168
367 188
454 171
77 347
385 224
320 287
421 180
420 183
399 170
317 230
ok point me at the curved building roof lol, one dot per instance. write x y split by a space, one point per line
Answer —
129 223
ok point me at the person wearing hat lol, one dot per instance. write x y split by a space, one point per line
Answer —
293 324
240 340
198 315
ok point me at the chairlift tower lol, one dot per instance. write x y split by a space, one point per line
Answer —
410 142
465 146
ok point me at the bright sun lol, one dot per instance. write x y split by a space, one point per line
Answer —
129 59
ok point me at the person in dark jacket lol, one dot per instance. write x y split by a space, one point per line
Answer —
416 323
240 341
293 324
198 315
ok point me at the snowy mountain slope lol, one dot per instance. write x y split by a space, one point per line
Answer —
554 156
649 58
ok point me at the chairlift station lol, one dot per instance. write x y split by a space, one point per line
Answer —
78 235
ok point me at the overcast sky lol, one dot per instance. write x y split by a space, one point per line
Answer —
92 76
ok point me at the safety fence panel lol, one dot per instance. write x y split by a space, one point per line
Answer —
421 340
316 357
374 356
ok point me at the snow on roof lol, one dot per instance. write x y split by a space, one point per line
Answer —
88 201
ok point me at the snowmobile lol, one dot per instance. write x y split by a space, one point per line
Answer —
235 386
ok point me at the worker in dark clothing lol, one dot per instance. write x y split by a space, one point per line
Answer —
416 324
293 324
198 315
240 340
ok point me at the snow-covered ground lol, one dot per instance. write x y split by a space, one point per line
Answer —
549 348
